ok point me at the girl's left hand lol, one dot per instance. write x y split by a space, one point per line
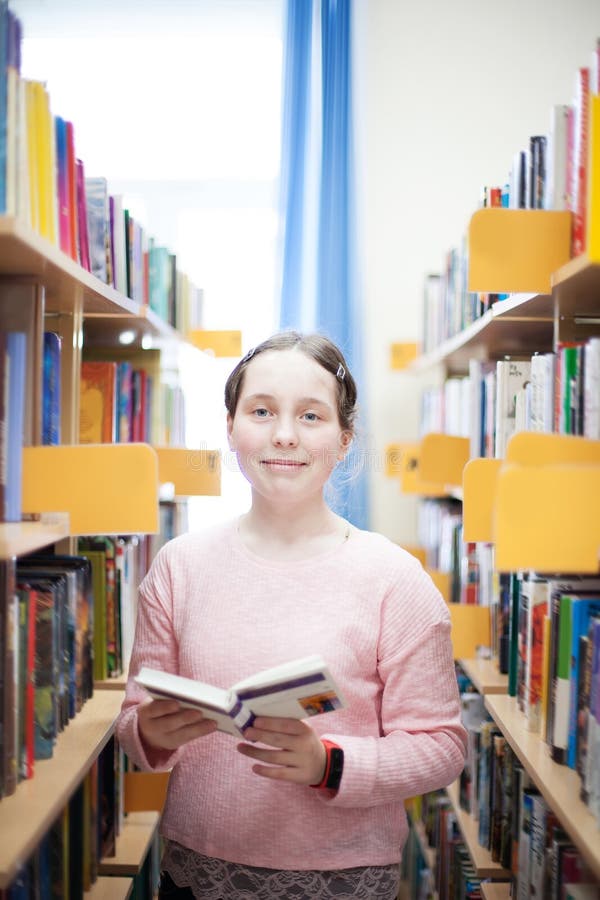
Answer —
299 756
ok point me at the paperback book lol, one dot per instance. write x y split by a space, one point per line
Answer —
298 689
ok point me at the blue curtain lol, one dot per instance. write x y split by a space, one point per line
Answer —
319 286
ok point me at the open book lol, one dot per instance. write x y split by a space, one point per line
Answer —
297 689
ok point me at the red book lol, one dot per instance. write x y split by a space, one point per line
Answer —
580 159
82 227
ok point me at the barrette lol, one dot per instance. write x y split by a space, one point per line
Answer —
341 372
249 355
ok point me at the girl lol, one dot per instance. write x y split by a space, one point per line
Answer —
302 809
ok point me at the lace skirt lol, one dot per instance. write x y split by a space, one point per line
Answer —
216 879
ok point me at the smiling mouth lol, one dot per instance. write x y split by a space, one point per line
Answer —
283 463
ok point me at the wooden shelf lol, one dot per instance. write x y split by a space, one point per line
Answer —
510 328
483 863
133 844
576 286
112 684
19 538
485 675
110 888
29 813
24 252
559 785
495 890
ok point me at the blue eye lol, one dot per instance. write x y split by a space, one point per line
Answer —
261 413
311 417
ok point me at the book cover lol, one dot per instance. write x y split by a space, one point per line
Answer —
537 845
51 403
560 732
581 112
62 185
72 191
16 349
590 783
583 700
97 559
297 689
22 310
83 243
26 688
591 389
583 610
556 193
96 197
97 402
536 613
511 377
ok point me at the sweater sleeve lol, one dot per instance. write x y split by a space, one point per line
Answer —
423 742
155 646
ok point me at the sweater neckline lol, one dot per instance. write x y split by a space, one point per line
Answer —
287 564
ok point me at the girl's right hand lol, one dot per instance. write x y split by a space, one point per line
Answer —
165 725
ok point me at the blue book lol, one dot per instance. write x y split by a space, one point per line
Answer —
583 609
51 389
16 347
4 30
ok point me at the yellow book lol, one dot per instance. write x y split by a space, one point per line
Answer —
32 154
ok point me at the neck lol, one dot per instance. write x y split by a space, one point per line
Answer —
291 532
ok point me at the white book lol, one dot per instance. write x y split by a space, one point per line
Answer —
119 245
556 188
591 389
511 377
298 689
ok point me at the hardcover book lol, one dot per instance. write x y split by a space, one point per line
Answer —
297 689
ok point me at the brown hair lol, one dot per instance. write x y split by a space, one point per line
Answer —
315 346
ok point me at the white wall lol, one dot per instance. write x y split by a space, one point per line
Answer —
449 92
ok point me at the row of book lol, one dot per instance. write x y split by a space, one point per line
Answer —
43 184
551 172
65 623
557 392
67 860
514 822
126 399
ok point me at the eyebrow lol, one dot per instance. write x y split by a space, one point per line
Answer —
302 401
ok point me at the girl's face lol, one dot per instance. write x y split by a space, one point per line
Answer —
286 431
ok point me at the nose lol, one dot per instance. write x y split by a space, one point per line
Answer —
284 432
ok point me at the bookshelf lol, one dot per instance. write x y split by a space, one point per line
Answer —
123 498
558 784
30 811
133 844
485 866
521 503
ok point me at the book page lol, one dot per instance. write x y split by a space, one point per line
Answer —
220 705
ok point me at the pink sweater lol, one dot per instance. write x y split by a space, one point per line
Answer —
212 610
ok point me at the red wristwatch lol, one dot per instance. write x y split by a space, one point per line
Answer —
334 766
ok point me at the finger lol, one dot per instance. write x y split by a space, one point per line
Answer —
281 725
156 708
272 738
273 757
278 773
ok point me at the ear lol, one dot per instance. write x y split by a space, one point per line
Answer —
229 432
345 441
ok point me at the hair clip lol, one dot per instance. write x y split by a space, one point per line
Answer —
341 372
249 354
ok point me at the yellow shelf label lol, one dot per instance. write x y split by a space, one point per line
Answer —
105 488
517 250
219 343
192 472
